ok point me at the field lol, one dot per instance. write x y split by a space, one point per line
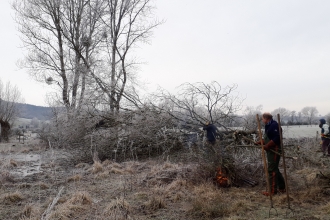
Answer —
38 182
301 131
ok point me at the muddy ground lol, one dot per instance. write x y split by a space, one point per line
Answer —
38 182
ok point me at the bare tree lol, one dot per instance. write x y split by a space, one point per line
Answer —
126 23
70 42
293 117
282 111
56 34
35 122
327 118
310 113
249 117
9 96
200 102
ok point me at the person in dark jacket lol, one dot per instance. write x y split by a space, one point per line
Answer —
211 132
325 137
272 146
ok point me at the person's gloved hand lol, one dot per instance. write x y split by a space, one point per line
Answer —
257 143
322 135
271 144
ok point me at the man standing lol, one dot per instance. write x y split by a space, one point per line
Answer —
211 132
272 146
325 136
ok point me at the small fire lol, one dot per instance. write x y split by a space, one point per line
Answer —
221 178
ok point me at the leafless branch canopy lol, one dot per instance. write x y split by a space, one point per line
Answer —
200 102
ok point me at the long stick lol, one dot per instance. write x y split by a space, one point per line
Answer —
265 163
284 166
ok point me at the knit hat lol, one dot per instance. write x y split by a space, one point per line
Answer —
322 120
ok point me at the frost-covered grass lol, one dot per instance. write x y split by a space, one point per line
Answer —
297 131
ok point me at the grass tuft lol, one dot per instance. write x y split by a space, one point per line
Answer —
154 203
30 212
10 198
117 209
79 202
208 202
97 167
75 178
43 185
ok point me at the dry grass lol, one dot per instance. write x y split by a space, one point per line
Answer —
25 150
117 165
81 198
162 190
107 162
102 175
43 185
10 164
117 170
13 163
326 208
30 212
97 167
79 202
154 203
74 178
209 202
84 166
117 209
11 198
5 176
24 185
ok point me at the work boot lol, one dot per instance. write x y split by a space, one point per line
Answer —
267 193
281 190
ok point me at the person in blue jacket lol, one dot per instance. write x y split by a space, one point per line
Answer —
211 132
272 146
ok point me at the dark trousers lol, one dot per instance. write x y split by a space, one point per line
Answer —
326 146
276 179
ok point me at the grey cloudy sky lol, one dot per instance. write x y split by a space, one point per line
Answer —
277 52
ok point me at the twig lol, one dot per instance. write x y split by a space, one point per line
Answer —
46 214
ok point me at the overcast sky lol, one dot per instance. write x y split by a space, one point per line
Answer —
277 52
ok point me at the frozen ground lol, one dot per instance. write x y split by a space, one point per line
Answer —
297 131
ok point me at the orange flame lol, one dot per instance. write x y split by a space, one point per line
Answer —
221 179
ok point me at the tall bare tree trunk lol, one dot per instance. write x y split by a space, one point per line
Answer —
5 128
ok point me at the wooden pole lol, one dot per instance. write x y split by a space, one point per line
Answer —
284 166
265 163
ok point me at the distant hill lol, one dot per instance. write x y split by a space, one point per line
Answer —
33 111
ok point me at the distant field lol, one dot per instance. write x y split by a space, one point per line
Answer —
297 131
300 131
22 121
